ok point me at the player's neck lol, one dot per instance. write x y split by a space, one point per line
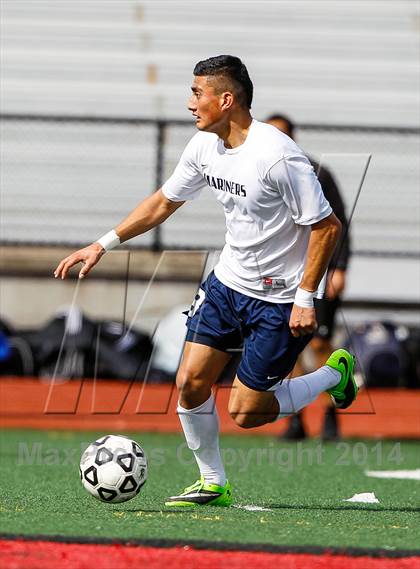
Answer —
234 132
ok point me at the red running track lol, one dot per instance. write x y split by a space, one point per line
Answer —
19 554
118 406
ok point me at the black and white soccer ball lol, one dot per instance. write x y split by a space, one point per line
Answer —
113 469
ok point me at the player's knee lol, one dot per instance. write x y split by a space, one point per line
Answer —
243 421
191 387
242 418
185 379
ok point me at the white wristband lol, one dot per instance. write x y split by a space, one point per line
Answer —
109 240
304 298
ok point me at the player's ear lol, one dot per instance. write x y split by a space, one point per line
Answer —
227 100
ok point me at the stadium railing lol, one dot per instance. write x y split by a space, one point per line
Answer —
67 179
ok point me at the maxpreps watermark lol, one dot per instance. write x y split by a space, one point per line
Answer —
283 458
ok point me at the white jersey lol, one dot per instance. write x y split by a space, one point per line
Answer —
270 195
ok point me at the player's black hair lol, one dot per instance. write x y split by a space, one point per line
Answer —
234 70
279 117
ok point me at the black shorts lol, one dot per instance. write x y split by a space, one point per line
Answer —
325 315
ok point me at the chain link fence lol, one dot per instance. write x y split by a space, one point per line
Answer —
67 180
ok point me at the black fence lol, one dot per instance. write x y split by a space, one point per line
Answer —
68 179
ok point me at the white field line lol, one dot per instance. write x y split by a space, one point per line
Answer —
251 508
398 474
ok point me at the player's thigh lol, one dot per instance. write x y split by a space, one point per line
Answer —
200 366
270 351
249 407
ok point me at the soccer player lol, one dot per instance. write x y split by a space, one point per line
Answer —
325 308
280 235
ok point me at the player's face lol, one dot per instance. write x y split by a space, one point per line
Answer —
205 105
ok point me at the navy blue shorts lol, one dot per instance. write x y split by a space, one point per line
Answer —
225 319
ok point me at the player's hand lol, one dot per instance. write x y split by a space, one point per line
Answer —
302 321
336 281
88 256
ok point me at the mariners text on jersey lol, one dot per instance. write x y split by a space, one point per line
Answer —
225 185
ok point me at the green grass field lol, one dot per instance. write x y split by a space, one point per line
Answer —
302 485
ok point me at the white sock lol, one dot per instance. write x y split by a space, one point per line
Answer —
294 394
201 430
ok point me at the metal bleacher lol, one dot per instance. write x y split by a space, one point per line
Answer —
325 64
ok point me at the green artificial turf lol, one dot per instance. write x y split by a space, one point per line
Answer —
41 492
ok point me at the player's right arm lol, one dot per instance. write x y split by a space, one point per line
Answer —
185 184
148 214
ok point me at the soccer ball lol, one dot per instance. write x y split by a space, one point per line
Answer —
113 469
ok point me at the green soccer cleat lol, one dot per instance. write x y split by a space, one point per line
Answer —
202 494
345 392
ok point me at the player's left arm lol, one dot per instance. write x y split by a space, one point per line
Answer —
322 242
336 276
294 178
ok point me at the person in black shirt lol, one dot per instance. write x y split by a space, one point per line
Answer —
336 279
